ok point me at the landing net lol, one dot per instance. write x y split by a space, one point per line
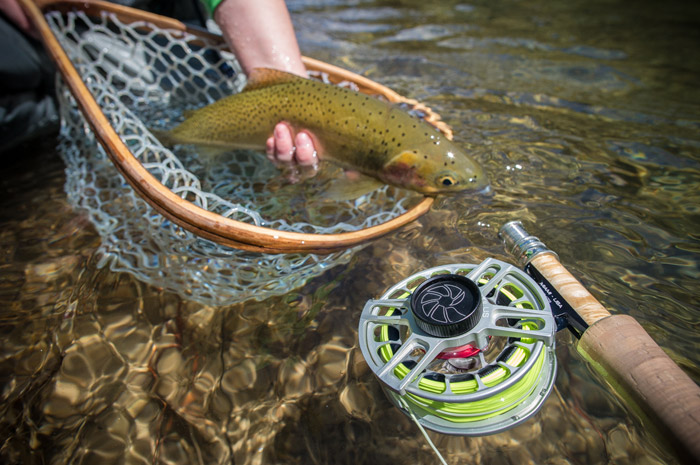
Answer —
143 76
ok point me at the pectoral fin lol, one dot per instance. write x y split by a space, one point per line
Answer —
211 152
343 188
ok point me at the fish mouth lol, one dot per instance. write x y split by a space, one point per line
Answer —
484 189
479 185
481 191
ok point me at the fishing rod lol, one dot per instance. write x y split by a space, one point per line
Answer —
616 346
469 349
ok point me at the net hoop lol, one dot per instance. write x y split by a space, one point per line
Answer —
201 222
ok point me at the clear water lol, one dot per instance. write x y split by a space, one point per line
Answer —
586 116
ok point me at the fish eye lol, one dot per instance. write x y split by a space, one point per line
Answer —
447 181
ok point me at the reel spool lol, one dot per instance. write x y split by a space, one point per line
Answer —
467 349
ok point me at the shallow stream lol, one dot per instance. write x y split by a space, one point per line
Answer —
586 117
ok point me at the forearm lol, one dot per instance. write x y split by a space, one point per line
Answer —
261 34
14 13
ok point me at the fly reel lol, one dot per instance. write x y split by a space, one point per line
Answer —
466 349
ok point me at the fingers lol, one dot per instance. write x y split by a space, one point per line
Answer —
270 148
284 147
305 153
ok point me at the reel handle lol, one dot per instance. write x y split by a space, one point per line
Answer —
619 348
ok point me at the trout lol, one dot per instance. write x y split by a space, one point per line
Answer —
354 130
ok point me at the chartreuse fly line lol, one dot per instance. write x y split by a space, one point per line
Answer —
415 419
480 409
486 408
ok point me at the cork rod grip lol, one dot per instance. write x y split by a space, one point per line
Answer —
621 350
570 288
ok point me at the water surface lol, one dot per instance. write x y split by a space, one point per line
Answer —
586 117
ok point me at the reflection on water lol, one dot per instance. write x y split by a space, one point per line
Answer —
585 116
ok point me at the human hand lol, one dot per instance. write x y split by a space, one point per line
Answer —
295 152
247 28
14 12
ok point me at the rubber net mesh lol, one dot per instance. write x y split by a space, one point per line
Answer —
143 77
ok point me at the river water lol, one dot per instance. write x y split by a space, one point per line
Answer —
586 117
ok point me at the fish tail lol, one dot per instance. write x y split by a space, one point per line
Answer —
166 138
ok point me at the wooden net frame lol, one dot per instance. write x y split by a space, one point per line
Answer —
199 221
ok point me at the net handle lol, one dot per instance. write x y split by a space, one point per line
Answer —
197 220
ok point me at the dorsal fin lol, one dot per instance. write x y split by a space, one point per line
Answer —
267 77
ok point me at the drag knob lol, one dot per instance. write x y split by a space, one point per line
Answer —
446 305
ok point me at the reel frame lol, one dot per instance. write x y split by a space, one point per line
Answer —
534 334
